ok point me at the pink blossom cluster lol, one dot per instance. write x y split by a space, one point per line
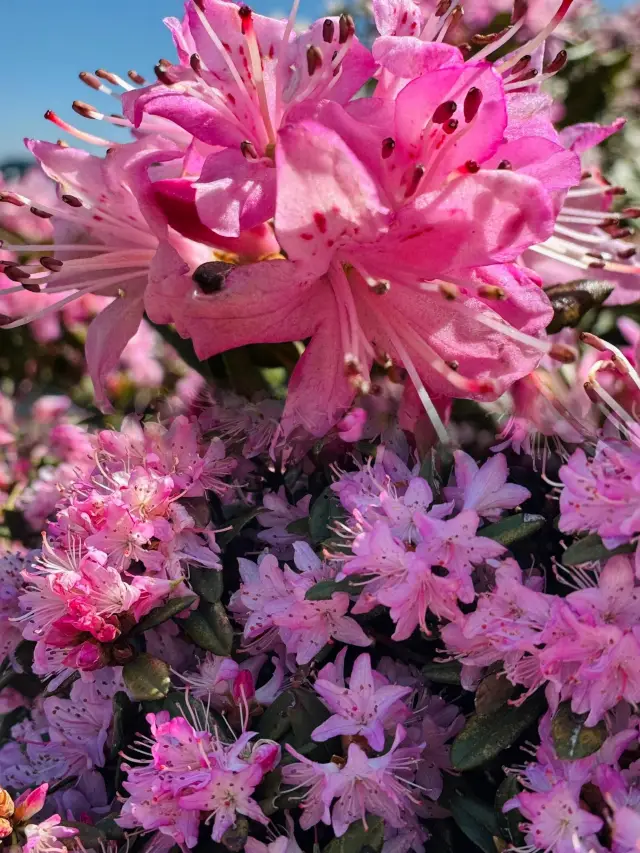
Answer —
48 836
193 775
601 493
274 612
416 556
41 452
584 647
552 804
121 543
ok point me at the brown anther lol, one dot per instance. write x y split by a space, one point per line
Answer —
414 180
388 146
563 353
448 290
625 254
520 9
444 111
15 273
529 75
596 265
381 287
41 214
520 66
314 59
456 16
472 102
196 63
51 264
161 72
108 76
31 286
631 212
210 276
90 80
62 144
442 8
591 392
454 365
450 125
505 165
586 175
328 30
396 374
346 28
246 19
617 191
71 200
484 39
491 291
12 198
472 167
465 49
83 109
248 150
135 77
556 64
352 367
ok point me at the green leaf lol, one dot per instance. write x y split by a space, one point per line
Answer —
484 738
299 527
514 528
275 722
146 677
357 839
209 627
236 836
571 738
591 548
509 822
123 713
324 511
306 713
442 673
159 615
476 819
494 691
571 301
237 524
323 590
208 583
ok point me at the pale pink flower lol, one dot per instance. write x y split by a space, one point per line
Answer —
364 707
484 489
48 836
278 515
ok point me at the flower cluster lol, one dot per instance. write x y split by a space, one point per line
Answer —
121 544
194 773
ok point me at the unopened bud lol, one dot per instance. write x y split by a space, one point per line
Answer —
6 804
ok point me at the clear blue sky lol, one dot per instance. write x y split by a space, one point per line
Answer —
45 43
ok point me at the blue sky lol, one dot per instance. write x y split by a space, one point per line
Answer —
45 43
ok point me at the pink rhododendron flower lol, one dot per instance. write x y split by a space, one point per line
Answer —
484 489
364 708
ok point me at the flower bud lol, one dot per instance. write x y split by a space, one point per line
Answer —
30 803
5 828
6 804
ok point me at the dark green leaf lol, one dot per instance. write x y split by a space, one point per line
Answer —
146 677
514 528
299 527
324 511
159 615
237 524
484 738
236 836
208 583
442 673
509 822
591 548
209 628
123 714
110 829
305 713
275 722
476 819
571 738
494 691
356 839
323 590
573 299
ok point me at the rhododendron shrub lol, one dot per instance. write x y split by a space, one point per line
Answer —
319 447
